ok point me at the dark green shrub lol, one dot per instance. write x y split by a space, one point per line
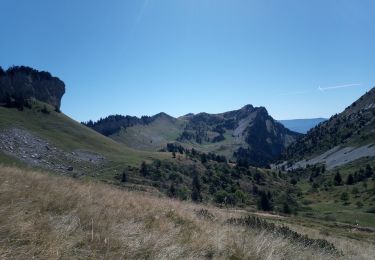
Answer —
265 202
337 179
350 180
344 196
196 189
124 176
222 197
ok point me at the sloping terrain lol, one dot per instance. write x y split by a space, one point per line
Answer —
53 141
154 136
345 193
302 125
248 134
36 134
353 130
330 185
52 217
36 151
34 131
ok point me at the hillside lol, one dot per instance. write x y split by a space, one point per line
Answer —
345 137
333 166
302 125
54 142
151 136
51 140
53 217
345 194
248 134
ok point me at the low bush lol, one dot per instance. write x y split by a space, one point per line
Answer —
257 223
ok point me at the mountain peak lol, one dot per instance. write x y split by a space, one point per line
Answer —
163 115
365 102
262 110
248 107
189 114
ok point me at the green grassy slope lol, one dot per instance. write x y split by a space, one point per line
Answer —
69 135
163 130
156 136
151 137
348 203
226 147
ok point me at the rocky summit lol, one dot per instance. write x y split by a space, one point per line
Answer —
24 82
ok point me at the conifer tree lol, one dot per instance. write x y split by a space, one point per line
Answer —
337 179
196 189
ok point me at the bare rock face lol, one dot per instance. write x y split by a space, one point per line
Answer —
25 82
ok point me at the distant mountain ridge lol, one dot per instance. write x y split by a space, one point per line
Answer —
249 134
114 123
302 125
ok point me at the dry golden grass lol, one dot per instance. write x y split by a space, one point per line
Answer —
54 217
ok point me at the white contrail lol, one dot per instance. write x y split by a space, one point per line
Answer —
322 89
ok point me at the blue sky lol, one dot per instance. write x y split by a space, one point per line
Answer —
180 56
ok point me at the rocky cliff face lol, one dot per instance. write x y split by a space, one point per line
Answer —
24 82
250 133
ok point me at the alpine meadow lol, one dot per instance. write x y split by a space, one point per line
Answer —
105 152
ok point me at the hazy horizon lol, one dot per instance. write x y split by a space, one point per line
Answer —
297 59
